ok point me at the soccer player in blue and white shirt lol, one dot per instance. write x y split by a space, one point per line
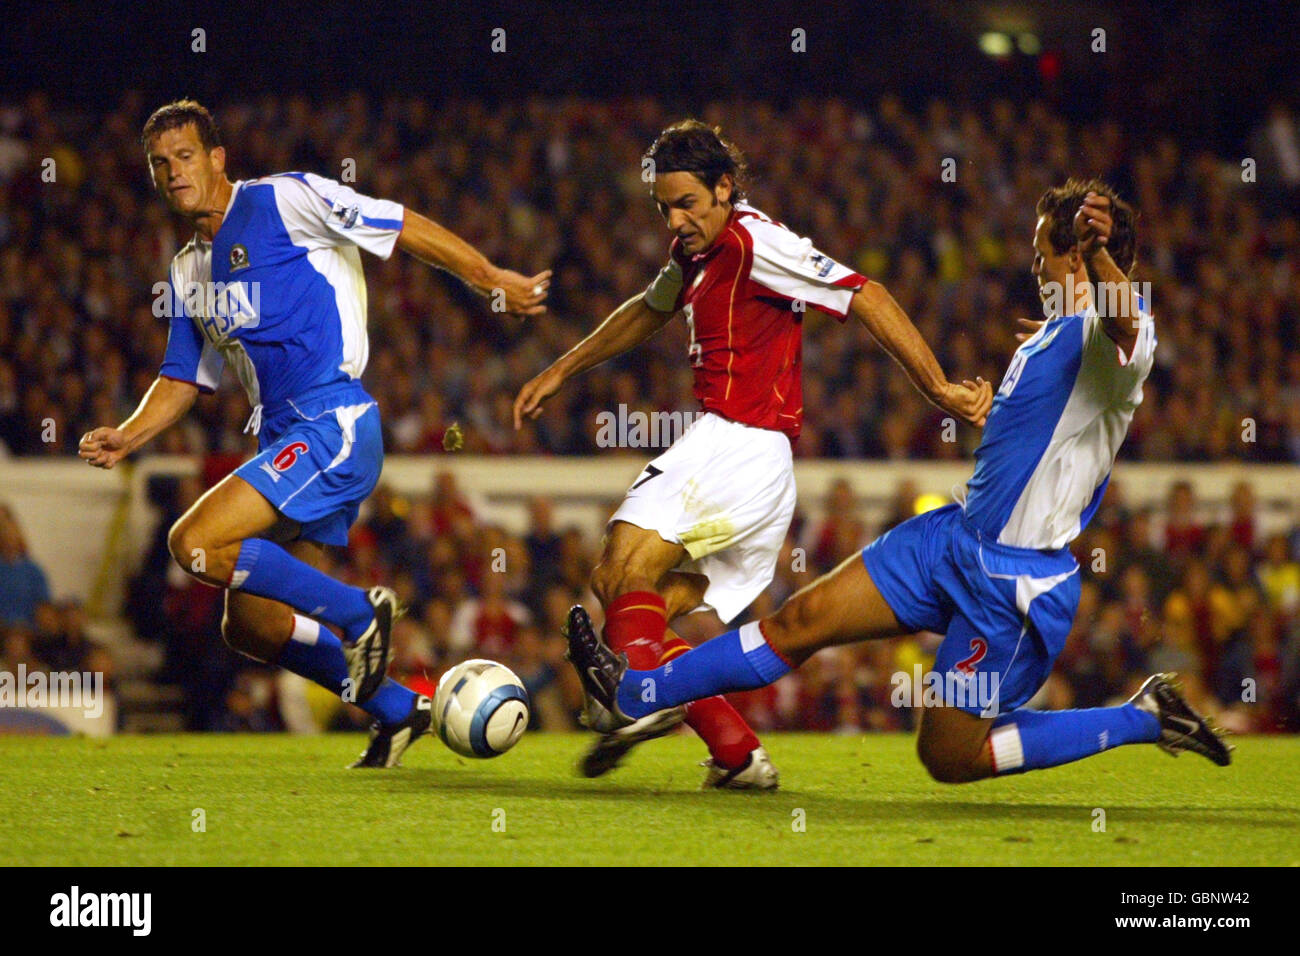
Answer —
271 286
992 574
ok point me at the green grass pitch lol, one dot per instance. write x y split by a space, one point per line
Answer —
272 799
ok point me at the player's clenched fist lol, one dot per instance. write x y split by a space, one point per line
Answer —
524 295
103 447
969 401
1092 224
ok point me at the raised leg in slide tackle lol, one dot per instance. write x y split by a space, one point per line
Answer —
955 745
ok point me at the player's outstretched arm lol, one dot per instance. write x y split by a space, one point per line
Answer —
438 246
626 327
889 325
163 405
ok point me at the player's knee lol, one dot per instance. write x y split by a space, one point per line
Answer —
782 639
942 762
243 636
796 629
684 596
609 580
183 541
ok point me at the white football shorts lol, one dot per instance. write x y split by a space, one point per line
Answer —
725 492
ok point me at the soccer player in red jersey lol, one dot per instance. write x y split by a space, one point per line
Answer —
702 525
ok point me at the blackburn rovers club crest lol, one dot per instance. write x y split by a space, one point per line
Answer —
345 215
238 257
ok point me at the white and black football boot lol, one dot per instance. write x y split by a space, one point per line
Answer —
367 656
614 744
1181 728
389 741
756 773
601 670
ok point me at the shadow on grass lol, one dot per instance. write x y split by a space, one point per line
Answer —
868 808
460 781
972 810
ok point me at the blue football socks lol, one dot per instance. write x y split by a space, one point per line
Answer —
269 571
316 654
1034 739
738 660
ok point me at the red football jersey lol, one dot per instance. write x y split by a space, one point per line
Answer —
744 299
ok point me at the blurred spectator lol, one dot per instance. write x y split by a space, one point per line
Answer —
16 649
540 663
543 542
249 704
903 506
841 531
1184 534
489 623
1242 521
1279 574
1277 145
23 587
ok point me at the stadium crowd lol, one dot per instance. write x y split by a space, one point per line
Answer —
558 183
538 183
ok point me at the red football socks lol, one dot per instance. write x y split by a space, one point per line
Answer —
636 624
719 724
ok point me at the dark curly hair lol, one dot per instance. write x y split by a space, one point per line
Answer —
690 146
1060 203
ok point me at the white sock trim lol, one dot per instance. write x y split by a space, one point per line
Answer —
751 637
305 630
1008 753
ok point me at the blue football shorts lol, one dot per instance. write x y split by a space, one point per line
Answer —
1004 612
318 460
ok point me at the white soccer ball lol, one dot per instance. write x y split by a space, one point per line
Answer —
480 708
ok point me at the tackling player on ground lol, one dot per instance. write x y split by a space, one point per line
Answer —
703 524
993 574
272 285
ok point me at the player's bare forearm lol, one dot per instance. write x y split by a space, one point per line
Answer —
1113 293
889 325
166 403
440 247
1115 298
163 405
625 328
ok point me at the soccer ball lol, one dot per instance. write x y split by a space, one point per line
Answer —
480 708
